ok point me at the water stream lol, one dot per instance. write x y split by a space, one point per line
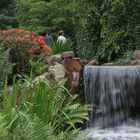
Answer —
114 93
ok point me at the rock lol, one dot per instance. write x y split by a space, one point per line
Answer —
93 62
69 54
136 54
57 72
132 62
56 58
84 61
72 64
126 63
135 62
73 69
109 64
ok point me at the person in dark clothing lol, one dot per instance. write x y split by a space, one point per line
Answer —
48 39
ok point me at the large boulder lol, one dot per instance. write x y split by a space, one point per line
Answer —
73 68
57 72
69 54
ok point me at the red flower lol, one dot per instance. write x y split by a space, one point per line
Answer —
35 56
21 38
30 50
38 47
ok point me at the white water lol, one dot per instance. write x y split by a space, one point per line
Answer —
128 131
114 91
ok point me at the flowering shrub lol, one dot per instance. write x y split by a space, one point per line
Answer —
24 45
27 41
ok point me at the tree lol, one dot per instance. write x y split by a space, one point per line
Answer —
7 14
44 15
88 27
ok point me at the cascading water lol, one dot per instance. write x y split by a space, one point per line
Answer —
114 93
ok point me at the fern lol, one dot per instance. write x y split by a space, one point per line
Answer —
29 127
46 105
3 127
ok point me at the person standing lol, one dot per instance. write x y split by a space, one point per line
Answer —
48 39
61 38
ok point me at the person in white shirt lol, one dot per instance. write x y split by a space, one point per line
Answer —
61 38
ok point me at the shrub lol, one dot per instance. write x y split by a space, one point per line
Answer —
106 30
24 45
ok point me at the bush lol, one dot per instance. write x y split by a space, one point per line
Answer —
107 29
24 45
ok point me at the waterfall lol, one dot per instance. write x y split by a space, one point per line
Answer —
113 92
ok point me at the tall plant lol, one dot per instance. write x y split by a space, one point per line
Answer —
50 103
5 68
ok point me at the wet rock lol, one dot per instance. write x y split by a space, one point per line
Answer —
84 61
109 64
136 54
69 54
132 62
93 62
135 62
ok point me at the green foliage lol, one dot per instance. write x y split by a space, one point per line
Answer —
59 47
38 66
120 29
7 14
110 27
5 68
24 45
88 28
49 16
51 105
3 127
29 127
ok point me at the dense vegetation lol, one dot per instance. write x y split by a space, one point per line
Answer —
7 14
50 16
108 30
31 108
37 109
